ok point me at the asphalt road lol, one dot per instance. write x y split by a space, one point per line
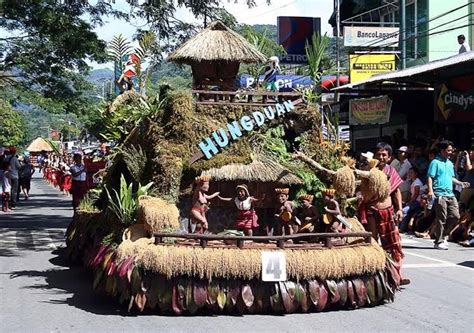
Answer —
40 293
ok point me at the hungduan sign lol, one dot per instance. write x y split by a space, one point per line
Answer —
221 138
371 36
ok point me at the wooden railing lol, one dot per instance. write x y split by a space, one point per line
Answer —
211 97
280 240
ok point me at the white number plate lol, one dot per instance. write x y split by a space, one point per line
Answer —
273 266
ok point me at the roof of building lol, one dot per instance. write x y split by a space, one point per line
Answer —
217 42
38 145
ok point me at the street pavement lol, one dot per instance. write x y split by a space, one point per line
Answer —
39 292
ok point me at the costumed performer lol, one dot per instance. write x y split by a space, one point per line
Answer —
79 180
284 215
200 205
247 218
307 213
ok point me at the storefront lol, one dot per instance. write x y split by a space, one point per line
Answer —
433 99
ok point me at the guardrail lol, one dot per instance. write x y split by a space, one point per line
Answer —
280 240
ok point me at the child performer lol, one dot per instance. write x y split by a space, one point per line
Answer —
246 217
200 205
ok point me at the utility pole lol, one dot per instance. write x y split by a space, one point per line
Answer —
403 33
338 31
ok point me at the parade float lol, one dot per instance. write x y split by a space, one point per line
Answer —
171 245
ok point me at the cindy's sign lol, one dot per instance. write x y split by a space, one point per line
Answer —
371 36
452 100
365 111
221 138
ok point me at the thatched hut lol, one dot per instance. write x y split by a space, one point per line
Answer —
215 54
38 145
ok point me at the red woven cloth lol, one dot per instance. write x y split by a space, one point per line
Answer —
78 191
388 233
67 183
393 177
246 219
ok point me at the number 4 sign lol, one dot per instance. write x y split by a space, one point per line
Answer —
273 266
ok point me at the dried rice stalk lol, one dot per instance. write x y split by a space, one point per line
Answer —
246 263
157 214
375 186
344 181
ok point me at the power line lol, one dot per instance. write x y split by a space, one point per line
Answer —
430 20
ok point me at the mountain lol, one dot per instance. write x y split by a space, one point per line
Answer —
100 75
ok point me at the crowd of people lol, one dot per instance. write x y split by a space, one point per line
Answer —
67 171
436 191
15 178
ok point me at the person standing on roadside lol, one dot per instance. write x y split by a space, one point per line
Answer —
26 172
464 46
79 177
15 179
440 180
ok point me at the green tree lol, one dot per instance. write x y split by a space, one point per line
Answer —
11 125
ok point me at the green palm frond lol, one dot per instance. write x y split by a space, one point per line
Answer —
118 47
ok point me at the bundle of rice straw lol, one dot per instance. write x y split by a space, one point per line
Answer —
157 214
344 181
375 186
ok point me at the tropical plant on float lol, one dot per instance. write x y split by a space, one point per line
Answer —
123 204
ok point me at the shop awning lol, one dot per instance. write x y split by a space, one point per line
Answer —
425 75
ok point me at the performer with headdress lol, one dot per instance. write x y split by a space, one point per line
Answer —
246 217
200 205
307 214
284 215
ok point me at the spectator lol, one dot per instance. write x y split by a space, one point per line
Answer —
467 193
461 232
26 172
5 187
14 169
423 220
440 188
402 164
419 161
464 46
413 206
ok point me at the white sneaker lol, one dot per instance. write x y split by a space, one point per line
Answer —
441 246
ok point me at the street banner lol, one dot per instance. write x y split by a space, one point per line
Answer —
371 36
363 66
366 111
451 100
293 32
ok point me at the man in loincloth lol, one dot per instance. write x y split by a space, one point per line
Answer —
307 214
383 215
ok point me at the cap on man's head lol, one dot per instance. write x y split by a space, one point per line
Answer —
403 149
368 155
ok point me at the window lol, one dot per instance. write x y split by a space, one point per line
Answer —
416 28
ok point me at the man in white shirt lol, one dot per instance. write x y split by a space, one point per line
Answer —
464 46
79 180
402 165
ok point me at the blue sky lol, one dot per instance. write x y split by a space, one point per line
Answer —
262 14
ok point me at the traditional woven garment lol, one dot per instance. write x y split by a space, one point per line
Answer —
78 191
389 236
393 178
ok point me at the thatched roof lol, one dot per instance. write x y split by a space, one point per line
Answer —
261 170
38 145
217 42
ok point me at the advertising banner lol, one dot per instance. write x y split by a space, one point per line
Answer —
293 32
449 100
366 111
371 36
363 66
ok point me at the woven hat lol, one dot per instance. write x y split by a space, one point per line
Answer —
329 192
282 190
306 197
202 179
243 187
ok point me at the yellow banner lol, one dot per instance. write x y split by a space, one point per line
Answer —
365 111
363 66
